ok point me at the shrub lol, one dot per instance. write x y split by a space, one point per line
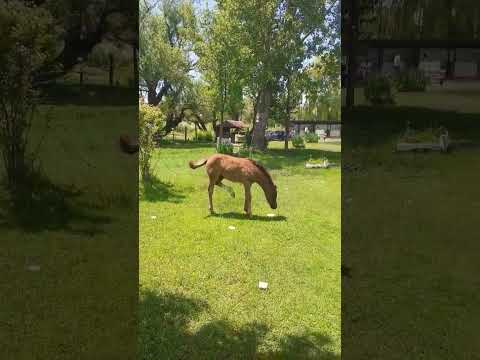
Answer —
150 119
28 42
378 91
225 148
298 142
412 80
205 136
311 138
244 151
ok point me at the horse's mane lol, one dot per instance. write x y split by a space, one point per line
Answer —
264 171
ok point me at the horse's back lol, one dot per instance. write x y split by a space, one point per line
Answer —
230 167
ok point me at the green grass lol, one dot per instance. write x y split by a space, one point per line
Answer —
453 96
199 296
81 303
410 237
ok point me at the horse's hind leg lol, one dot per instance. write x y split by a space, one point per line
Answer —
248 200
211 186
225 187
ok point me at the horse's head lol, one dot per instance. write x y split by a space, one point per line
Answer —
271 195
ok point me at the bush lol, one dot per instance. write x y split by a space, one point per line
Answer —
244 151
29 40
298 142
311 138
378 91
224 148
205 136
412 80
150 119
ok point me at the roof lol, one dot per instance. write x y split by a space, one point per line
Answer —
234 124
315 122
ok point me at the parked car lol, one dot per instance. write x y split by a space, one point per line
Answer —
278 135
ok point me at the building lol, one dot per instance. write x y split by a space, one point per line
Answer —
300 127
230 129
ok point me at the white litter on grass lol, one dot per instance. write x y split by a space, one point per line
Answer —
33 268
153 217
262 285
271 215
231 227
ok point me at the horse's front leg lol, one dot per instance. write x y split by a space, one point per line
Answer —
211 186
248 199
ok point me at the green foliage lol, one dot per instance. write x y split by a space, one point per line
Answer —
322 88
411 80
150 120
244 151
28 41
204 136
164 39
298 142
311 138
224 148
321 161
378 90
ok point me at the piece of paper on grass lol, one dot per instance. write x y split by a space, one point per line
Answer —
262 285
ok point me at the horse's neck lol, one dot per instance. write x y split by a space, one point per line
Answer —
264 182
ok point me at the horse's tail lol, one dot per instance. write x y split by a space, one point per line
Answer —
197 163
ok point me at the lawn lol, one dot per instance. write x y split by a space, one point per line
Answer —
410 238
199 295
74 263
460 96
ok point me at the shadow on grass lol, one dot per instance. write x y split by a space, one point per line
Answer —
42 205
241 216
156 190
88 95
164 333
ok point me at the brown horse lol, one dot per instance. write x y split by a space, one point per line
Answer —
238 170
127 145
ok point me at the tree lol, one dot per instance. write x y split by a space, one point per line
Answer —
150 120
85 24
166 43
224 62
288 96
275 32
28 41
109 54
322 90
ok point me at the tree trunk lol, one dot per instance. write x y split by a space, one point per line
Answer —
152 94
214 125
287 118
287 131
111 69
351 67
263 112
136 73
